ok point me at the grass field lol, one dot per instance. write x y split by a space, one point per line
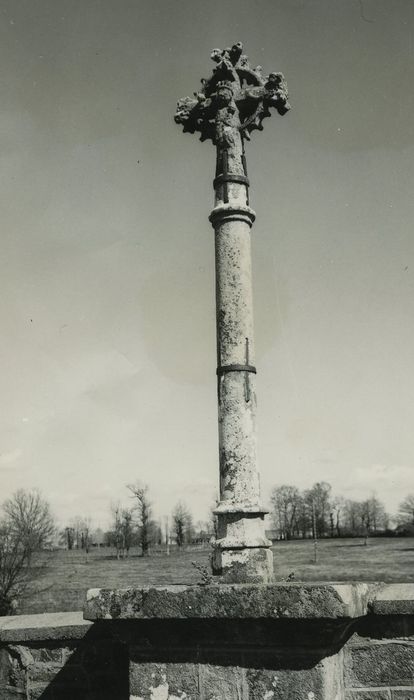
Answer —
65 576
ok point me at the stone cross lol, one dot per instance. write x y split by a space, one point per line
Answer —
230 105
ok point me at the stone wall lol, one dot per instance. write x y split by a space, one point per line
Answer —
59 656
281 642
379 659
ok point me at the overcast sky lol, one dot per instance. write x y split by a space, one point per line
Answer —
107 267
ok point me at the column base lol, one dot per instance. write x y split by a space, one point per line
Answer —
242 565
241 552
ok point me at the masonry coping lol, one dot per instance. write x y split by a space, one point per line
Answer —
231 601
393 599
45 626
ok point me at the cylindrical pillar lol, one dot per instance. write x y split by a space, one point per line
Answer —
241 551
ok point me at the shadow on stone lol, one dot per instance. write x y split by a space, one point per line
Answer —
94 668
270 644
376 627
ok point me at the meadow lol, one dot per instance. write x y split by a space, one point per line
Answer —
62 577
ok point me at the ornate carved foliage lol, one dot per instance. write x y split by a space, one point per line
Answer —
234 87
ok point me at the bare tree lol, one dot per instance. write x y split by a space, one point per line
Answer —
378 516
127 530
121 535
363 518
303 518
351 517
68 537
81 528
97 536
86 534
365 515
26 527
286 505
336 510
182 524
29 519
158 533
406 511
143 509
15 556
115 536
318 500
315 512
332 520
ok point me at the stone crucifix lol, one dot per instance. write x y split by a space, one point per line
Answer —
230 105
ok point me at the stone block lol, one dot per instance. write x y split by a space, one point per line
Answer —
381 664
7 692
155 680
230 601
320 682
12 673
278 685
43 672
43 627
222 682
393 599
254 564
53 655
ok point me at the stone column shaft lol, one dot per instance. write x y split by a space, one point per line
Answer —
242 550
239 481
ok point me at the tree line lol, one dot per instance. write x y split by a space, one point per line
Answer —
317 512
135 526
27 527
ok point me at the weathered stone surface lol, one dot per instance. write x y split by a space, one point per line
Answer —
37 691
253 564
10 693
239 476
21 628
12 672
278 685
321 681
380 664
148 681
283 600
252 96
402 694
218 682
47 655
394 599
42 672
222 682
241 536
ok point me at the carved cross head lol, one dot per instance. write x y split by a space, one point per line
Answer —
235 96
